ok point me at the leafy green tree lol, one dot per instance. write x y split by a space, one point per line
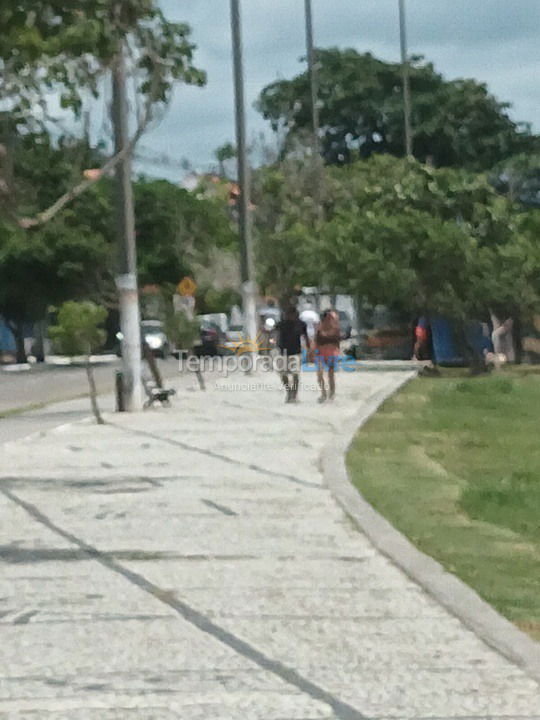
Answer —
456 123
420 240
176 229
45 167
286 221
73 257
46 267
79 332
180 329
67 47
212 300
430 241
48 44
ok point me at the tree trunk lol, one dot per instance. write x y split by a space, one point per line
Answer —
474 358
93 392
17 330
518 340
39 330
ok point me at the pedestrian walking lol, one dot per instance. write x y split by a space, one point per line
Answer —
291 332
327 339
311 317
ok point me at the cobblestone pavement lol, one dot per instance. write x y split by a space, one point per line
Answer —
189 563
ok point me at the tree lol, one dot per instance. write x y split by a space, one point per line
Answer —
48 44
66 47
177 229
419 240
180 329
286 221
73 257
430 242
456 123
68 259
79 332
210 299
46 267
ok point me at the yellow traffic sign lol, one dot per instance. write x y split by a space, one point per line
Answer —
187 287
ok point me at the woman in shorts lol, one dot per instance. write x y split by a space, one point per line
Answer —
327 352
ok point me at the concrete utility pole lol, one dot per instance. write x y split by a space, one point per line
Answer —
312 71
407 106
249 289
126 280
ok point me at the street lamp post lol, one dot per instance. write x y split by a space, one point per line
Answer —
312 71
244 202
407 107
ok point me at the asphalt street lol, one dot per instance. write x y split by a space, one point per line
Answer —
43 397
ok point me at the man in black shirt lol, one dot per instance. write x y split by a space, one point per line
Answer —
291 331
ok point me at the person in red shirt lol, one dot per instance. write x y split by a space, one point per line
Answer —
422 340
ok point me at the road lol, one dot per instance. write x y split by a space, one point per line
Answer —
44 397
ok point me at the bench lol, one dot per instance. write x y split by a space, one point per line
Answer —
157 395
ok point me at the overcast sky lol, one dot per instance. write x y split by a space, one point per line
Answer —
495 41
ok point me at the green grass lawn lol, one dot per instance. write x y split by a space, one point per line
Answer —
454 463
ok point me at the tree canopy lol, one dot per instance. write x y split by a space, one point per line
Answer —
51 44
395 232
285 221
73 256
456 123
176 229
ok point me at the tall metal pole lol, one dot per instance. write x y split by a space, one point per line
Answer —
246 245
407 106
312 71
126 280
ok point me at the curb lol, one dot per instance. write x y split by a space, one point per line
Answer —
451 592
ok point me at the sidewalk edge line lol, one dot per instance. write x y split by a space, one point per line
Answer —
448 590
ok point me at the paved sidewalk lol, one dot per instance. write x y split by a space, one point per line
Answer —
189 563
